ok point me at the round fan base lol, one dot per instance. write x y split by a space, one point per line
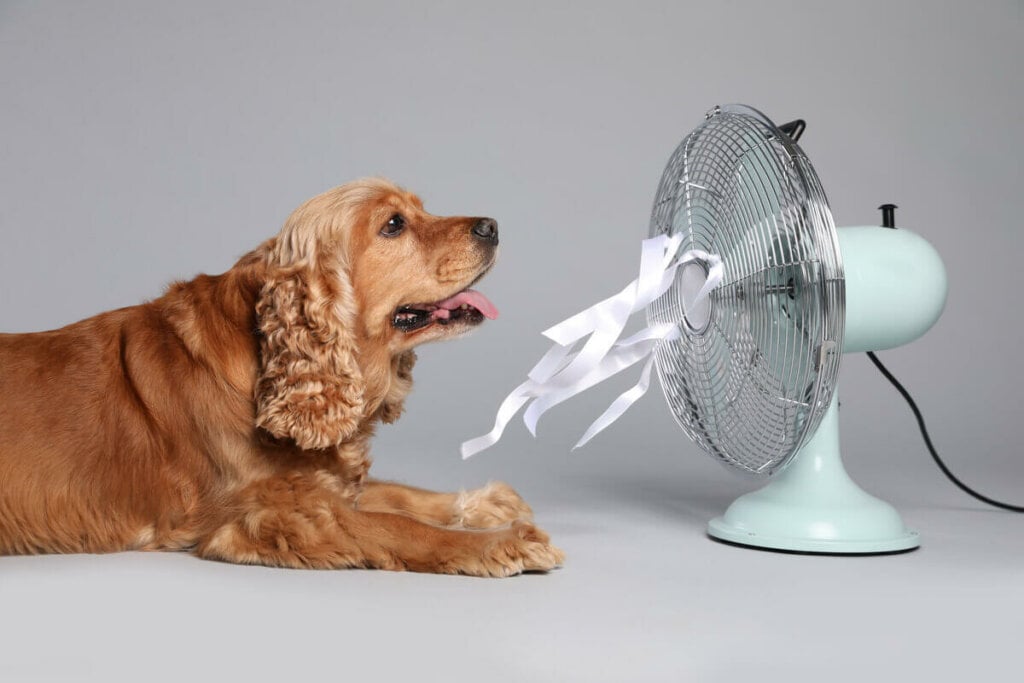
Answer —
721 531
813 506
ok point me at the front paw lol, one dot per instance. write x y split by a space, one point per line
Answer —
490 506
520 548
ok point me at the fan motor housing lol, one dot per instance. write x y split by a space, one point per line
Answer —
895 287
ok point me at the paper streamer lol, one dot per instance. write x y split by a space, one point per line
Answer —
562 372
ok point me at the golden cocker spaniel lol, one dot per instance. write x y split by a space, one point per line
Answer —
232 416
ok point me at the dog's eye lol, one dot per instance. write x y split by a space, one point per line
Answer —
394 226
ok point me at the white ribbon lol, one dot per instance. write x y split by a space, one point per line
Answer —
562 373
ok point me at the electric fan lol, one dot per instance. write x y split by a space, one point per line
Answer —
752 375
752 296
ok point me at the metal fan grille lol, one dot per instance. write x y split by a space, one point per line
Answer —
752 384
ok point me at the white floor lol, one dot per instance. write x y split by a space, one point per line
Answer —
644 596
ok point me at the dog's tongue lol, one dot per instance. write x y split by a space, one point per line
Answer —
472 298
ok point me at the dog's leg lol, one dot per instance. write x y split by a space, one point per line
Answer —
299 520
488 507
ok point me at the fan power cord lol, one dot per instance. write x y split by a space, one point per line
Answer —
928 441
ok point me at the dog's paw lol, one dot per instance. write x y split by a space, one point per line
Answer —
520 548
490 506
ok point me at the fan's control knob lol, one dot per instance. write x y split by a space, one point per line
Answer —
888 215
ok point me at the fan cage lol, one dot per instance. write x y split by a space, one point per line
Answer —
753 384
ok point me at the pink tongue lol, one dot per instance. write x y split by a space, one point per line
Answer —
467 296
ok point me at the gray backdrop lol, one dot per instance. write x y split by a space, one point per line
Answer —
144 142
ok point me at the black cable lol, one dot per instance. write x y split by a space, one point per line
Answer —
928 441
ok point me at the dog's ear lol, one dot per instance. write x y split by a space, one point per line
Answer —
310 388
399 386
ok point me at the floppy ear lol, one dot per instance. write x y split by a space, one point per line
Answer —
310 387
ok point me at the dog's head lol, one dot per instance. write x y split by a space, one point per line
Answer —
357 277
411 271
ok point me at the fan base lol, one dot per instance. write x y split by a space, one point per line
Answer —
812 506
721 531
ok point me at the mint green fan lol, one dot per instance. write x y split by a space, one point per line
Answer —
752 378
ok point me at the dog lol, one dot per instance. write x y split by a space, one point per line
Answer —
232 416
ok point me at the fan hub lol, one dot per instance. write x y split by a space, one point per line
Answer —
696 312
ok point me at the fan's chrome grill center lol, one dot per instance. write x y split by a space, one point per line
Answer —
696 314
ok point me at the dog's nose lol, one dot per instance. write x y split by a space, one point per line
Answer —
486 229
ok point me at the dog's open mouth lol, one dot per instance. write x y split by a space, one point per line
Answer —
467 307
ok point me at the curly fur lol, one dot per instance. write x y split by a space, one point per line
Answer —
233 415
310 387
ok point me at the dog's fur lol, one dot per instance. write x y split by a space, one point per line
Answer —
232 415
